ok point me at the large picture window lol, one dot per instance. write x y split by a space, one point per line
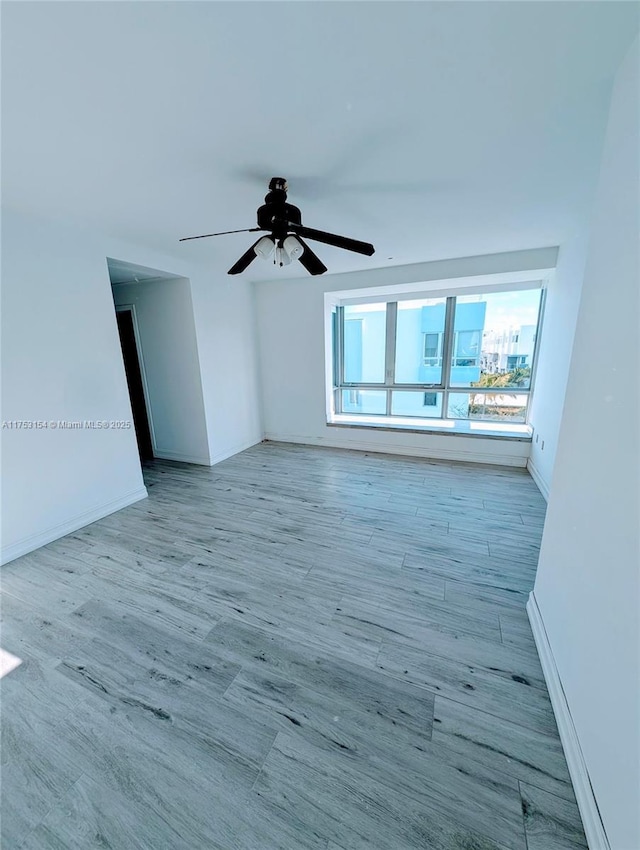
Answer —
466 357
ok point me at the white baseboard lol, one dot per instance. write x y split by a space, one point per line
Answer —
593 826
474 456
35 541
201 460
534 472
235 450
163 454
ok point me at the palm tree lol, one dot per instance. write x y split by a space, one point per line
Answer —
517 377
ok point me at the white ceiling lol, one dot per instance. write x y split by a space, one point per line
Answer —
431 129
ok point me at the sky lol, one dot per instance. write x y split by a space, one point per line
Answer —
509 309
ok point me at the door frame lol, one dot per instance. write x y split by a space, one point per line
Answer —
131 308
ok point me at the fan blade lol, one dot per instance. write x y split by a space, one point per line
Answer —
248 257
222 233
309 260
333 239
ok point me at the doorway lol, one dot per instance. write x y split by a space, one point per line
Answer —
126 330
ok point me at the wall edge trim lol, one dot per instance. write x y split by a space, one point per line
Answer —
236 450
35 541
394 449
535 473
162 454
587 804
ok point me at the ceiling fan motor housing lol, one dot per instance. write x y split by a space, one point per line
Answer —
276 212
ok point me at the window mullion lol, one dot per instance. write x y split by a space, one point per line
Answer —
447 348
340 345
534 360
390 350
339 353
390 344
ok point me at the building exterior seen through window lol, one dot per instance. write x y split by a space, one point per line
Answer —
457 357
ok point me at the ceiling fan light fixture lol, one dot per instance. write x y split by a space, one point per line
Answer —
264 247
282 257
293 247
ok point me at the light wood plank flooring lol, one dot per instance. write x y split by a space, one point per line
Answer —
299 648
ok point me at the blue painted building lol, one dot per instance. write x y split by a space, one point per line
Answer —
419 355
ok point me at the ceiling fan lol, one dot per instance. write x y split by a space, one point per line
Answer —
284 222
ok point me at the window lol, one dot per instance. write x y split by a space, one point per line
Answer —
418 327
466 348
363 355
433 349
516 361
456 357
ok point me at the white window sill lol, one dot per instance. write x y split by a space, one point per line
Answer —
450 427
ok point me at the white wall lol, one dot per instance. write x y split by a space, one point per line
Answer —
61 359
587 587
291 336
225 328
167 337
554 356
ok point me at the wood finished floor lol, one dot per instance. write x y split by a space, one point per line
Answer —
299 648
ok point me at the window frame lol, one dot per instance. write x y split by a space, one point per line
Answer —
438 356
457 356
447 340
